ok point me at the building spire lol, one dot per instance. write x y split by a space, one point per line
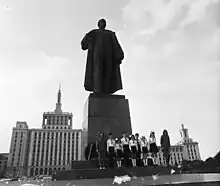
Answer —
58 104
59 96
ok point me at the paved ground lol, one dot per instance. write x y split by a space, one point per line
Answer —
166 179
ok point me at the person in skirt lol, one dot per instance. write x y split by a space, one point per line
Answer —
118 152
111 149
144 150
133 149
125 148
153 147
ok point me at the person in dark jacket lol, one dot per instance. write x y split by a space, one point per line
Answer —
138 156
101 150
165 145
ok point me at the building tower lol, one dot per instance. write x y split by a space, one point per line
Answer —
19 148
57 119
191 148
58 109
45 150
56 145
184 134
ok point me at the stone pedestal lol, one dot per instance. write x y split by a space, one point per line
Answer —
105 113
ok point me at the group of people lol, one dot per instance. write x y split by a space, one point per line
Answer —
132 147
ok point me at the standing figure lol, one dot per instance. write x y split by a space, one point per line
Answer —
104 57
118 152
138 156
111 149
165 145
101 150
144 150
125 148
133 148
153 147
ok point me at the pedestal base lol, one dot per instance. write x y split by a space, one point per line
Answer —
105 113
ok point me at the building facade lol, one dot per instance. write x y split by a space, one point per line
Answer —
3 163
186 149
18 153
46 150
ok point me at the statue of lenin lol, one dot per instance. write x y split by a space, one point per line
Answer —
104 57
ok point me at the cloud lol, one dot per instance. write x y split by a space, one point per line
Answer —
7 8
30 78
151 16
194 38
172 53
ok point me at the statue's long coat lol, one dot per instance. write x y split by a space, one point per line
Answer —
103 61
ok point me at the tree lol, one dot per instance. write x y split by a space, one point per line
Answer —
210 162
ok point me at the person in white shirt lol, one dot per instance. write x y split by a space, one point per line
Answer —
133 146
153 147
118 152
111 149
125 148
144 150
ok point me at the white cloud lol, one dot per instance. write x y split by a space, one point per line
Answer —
174 46
7 8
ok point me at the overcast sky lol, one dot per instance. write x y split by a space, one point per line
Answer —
170 72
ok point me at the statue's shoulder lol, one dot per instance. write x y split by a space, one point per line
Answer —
91 32
110 31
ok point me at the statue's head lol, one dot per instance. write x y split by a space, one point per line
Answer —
102 23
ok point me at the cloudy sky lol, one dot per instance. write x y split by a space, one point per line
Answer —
170 72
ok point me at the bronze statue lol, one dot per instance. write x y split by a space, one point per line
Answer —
104 57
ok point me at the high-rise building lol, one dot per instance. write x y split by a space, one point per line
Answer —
18 153
43 151
3 163
186 149
191 148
